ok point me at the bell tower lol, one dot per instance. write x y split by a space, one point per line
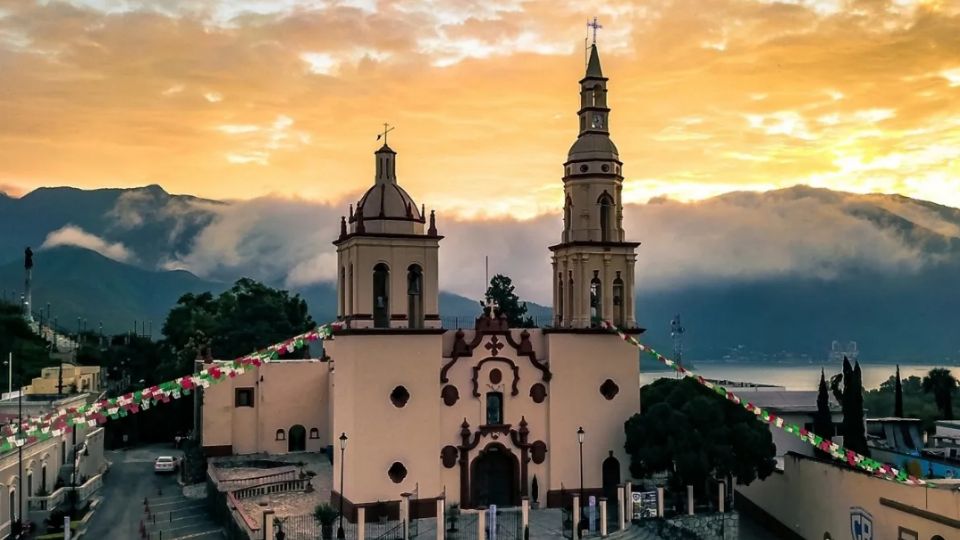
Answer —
593 265
387 256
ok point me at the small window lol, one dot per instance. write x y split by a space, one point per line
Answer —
609 389
281 436
907 534
494 409
397 472
314 433
399 397
243 397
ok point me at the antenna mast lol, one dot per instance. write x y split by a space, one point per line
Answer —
676 332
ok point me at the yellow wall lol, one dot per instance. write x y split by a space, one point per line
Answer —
796 498
86 379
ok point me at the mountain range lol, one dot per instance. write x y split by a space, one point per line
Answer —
755 276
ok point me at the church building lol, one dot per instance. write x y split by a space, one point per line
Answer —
482 414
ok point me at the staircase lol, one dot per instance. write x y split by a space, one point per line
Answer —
178 518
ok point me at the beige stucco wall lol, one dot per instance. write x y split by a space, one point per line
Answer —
580 364
291 392
797 499
49 454
363 253
366 370
351 394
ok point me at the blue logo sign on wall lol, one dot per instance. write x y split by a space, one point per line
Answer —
861 524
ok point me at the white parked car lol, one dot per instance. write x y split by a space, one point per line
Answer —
165 464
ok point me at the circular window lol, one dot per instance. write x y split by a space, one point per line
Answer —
448 456
538 392
605 168
450 395
583 168
609 389
538 452
399 397
397 472
496 376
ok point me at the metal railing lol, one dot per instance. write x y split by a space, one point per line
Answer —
284 486
237 483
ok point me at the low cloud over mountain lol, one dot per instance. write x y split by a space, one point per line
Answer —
738 237
789 269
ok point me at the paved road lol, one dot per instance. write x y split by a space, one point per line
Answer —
130 480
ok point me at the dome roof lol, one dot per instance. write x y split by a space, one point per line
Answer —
388 200
593 146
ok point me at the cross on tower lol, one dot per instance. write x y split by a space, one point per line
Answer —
492 306
594 25
387 128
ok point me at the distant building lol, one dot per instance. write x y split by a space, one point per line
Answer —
47 464
839 351
74 379
795 407
812 500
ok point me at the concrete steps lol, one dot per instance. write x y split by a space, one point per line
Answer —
176 517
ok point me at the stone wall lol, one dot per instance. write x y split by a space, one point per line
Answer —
708 526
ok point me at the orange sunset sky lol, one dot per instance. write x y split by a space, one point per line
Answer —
235 99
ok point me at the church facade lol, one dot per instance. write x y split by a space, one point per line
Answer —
483 415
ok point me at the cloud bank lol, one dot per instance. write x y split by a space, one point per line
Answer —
71 235
735 237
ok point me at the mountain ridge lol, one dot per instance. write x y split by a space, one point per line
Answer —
890 285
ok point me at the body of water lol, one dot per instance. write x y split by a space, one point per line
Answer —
794 376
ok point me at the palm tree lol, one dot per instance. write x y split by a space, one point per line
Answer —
941 384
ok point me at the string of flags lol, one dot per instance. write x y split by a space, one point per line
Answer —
43 427
56 423
854 459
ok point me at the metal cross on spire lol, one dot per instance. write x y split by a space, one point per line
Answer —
387 128
594 25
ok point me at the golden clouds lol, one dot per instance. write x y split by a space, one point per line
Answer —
241 98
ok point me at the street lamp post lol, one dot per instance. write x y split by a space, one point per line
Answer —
343 446
580 434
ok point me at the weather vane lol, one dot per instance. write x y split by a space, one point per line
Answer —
594 25
387 128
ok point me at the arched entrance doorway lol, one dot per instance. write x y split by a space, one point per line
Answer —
611 477
493 478
297 439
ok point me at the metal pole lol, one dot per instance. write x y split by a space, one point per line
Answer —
340 534
10 374
19 454
580 525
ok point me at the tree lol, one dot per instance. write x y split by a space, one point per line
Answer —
942 385
508 303
898 396
916 403
30 352
695 435
239 321
851 401
823 419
